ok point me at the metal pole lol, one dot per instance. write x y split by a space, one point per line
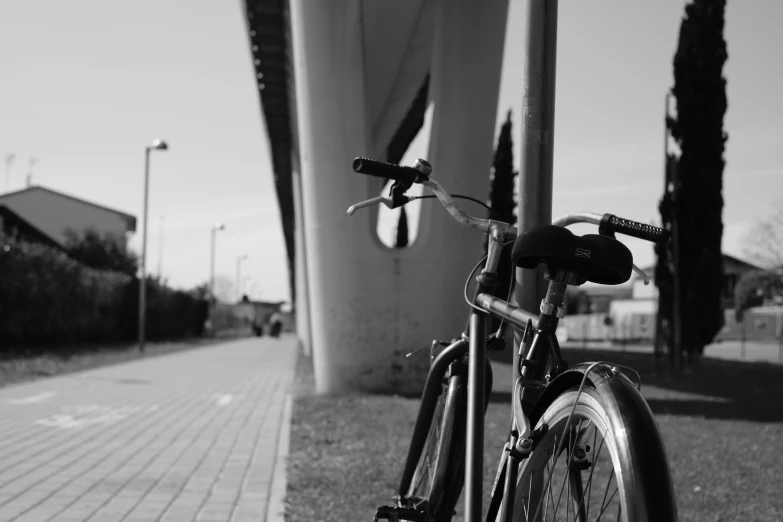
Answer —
238 290
160 252
143 260
474 471
538 126
212 265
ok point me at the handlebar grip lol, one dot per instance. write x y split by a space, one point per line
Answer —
380 169
612 223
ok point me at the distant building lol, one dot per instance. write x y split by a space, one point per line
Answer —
44 215
733 269
600 297
627 312
14 226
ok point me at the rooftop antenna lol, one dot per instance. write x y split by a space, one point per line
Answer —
33 161
9 159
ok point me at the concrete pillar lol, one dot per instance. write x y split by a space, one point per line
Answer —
369 304
301 299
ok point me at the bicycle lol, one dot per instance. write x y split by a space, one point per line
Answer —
558 411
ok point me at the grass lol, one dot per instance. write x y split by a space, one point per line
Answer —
722 426
24 369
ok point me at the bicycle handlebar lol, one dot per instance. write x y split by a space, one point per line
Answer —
608 224
611 223
462 217
380 169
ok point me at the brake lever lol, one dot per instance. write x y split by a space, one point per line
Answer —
369 203
641 273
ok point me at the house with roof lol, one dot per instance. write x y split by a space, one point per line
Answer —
733 269
43 215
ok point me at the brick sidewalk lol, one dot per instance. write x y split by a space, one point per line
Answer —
187 436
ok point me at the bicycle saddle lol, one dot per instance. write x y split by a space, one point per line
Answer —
599 259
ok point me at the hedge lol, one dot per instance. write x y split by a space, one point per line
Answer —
49 300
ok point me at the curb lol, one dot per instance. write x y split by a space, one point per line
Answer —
275 511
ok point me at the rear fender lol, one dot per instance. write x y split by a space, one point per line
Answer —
642 449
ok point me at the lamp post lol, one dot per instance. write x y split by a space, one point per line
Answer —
160 250
215 228
238 295
156 145
9 159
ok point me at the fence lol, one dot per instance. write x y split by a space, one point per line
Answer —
760 326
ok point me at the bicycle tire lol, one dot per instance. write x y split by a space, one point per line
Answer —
443 457
644 489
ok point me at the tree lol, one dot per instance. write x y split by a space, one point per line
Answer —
199 292
757 288
695 202
501 198
102 252
402 230
764 242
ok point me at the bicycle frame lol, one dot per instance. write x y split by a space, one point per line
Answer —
544 346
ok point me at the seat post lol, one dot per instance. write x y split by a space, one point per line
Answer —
552 308
555 294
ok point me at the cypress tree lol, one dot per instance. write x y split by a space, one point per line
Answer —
700 91
501 199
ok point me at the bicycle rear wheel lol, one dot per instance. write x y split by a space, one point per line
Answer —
437 480
606 463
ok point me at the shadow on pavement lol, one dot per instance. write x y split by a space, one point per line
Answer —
718 389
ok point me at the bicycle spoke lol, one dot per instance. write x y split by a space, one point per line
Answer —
529 497
589 480
603 502
592 469
548 487
607 505
568 466
568 502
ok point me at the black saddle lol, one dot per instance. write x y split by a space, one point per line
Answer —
596 258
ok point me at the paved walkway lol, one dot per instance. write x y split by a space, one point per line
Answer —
181 437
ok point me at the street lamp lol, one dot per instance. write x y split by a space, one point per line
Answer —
239 276
160 249
215 228
156 145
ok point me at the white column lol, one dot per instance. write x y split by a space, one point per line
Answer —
301 298
370 305
327 42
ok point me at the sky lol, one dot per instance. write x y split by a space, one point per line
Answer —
86 85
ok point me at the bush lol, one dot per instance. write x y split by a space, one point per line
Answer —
756 288
101 252
49 299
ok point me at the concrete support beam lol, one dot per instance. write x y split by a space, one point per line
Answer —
369 304
301 299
